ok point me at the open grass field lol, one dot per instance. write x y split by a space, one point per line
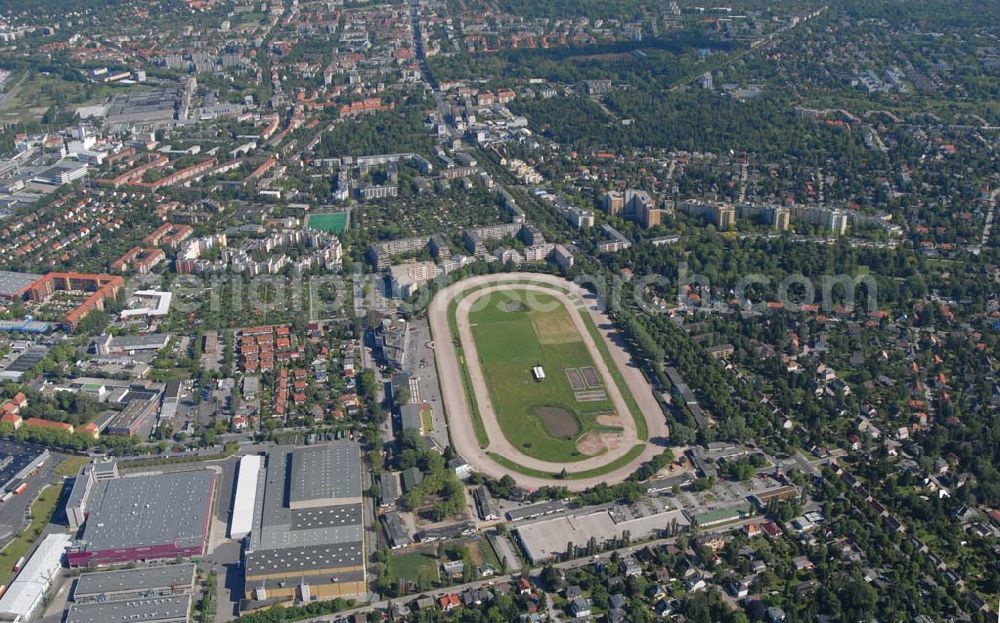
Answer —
332 223
71 465
414 567
542 418
633 453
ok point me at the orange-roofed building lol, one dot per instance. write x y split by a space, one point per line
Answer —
13 419
90 430
35 422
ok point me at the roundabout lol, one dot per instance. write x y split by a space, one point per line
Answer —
537 385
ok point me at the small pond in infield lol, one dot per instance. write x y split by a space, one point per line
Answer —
558 422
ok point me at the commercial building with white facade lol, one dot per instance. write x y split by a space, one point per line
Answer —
241 522
27 591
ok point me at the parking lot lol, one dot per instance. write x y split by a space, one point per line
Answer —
420 361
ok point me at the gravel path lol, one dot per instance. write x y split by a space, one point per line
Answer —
463 436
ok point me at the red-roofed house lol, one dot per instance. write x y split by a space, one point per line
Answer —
35 422
91 430
449 602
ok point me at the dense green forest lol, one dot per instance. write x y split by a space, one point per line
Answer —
594 9
653 62
382 133
62 7
690 121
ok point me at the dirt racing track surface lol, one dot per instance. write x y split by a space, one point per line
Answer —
456 403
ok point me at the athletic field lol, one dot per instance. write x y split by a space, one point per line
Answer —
332 222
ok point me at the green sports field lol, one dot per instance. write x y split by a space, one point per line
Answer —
333 222
543 418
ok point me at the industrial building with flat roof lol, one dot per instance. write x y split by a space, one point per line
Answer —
308 528
15 285
325 476
139 583
27 591
83 487
133 417
170 609
157 517
245 500
35 327
24 362
148 303
17 461
546 538
113 345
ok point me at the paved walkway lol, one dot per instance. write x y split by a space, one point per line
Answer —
463 435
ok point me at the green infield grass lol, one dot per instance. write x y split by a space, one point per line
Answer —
543 418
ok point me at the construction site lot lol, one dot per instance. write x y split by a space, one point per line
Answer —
543 385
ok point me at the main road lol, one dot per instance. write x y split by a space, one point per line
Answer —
460 419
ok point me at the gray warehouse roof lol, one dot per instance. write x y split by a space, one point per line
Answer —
11 283
325 475
149 510
134 580
326 532
536 510
328 517
171 609
137 342
304 559
410 417
282 527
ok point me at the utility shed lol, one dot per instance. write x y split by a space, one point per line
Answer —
241 522
27 591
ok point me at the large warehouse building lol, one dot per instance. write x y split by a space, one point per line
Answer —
545 539
307 541
27 592
127 584
13 286
18 461
158 517
173 609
